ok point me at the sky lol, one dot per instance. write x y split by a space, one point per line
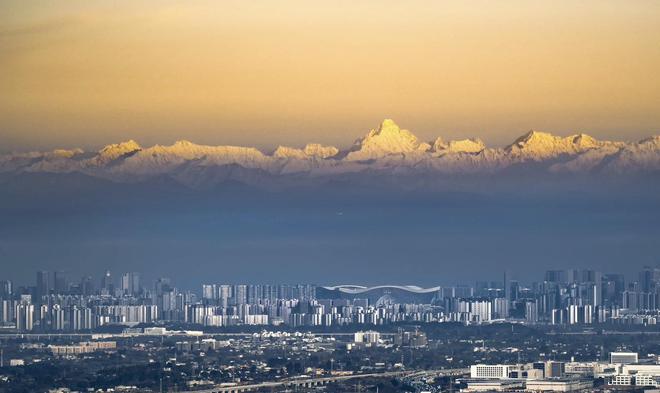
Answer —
263 73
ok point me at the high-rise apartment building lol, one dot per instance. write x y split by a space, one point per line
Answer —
59 283
6 289
106 282
24 317
130 283
43 285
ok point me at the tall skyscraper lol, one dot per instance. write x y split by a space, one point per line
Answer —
161 285
59 281
86 285
106 282
6 289
514 289
613 286
224 294
130 283
240 294
24 317
555 276
7 311
649 278
43 285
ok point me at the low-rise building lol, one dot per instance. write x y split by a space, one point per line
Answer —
493 385
83 347
623 357
489 371
559 385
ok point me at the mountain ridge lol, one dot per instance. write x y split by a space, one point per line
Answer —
386 149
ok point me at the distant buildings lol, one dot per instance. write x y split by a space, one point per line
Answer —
530 385
559 385
83 347
368 337
628 373
486 371
203 345
130 283
623 370
531 377
623 357
24 317
414 339
537 370
564 297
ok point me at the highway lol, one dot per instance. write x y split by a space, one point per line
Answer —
311 382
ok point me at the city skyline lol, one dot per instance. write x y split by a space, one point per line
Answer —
563 297
133 282
146 276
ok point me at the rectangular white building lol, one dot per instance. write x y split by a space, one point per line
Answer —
623 357
488 371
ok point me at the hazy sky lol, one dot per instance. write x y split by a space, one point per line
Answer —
86 73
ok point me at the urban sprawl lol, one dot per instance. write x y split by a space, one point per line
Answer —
576 330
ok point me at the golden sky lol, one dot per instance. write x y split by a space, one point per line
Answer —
88 72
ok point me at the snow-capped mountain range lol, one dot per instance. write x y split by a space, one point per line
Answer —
386 150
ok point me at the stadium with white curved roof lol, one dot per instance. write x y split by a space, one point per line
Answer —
380 294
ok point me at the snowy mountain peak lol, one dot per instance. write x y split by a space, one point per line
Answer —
388 126
289 152
320 151
183 143
64 153
471 145
652 142
387 149
536 145
535 138
311 150
585 141
119 149
439 144
388 139
182 148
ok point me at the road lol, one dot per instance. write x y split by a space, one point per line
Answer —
310 382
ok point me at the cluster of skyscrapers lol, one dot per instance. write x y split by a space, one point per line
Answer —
562 297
